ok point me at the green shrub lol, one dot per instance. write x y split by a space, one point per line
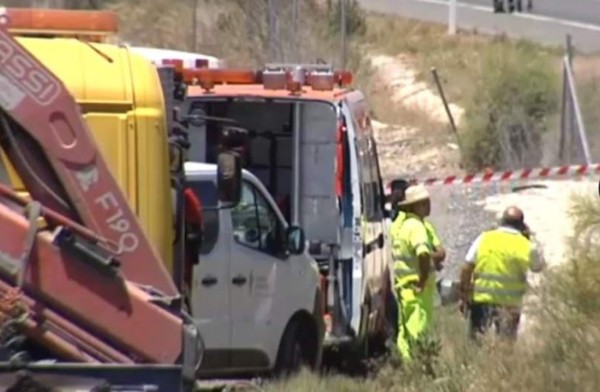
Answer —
517 91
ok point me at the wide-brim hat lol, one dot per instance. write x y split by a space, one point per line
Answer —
414 194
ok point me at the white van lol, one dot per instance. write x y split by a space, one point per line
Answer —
189 59
255 290
312 145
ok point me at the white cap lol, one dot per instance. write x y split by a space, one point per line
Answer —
415 194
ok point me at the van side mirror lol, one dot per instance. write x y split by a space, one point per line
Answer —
229 178
295 240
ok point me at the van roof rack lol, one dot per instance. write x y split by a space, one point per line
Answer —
292 77
307 67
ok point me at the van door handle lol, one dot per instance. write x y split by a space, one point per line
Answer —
239 280
209 281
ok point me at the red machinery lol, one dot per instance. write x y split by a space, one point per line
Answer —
85 286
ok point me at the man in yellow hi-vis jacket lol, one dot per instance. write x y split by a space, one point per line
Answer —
494 278
412 251
398 188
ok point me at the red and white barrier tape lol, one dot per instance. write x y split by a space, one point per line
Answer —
513 175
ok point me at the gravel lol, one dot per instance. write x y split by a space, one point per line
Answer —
459 217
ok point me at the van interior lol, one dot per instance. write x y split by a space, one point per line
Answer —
267 148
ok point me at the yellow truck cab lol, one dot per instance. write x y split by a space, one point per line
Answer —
121 99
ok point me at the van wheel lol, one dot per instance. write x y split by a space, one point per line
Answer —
296 350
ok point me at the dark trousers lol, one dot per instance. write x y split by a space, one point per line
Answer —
482 316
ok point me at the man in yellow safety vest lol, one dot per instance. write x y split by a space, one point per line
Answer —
412 249
494 278
398 188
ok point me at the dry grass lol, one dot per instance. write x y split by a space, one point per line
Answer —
461 63
458 58
235 30
587 71
560 353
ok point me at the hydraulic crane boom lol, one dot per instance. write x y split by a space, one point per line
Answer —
54 152
80 275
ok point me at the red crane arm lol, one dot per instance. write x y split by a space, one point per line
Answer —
55 155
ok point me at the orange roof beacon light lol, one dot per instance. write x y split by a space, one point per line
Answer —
296 79
321 80
274 77
343 78
207 78
92 25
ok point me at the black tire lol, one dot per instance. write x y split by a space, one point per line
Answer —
393 314
296 350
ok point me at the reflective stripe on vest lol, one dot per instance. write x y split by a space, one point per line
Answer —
498 278
500 268
499 292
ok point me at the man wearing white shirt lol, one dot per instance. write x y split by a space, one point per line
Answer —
494 277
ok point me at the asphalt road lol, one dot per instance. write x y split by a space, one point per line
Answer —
548 23
586 11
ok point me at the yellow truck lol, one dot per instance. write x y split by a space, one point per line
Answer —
121 99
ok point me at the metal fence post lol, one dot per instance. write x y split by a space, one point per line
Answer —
453 127
563 117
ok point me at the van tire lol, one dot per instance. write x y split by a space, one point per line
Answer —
295 350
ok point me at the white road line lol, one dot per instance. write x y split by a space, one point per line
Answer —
539 18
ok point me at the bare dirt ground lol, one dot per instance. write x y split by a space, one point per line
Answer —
406 90
421 147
